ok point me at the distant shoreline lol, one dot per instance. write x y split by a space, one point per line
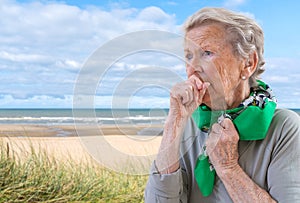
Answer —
293 109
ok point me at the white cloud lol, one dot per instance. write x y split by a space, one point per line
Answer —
68 64
250 15
233 3
283 75
140 70
56 28
37 101
155 15
27 58
172 3
277 79
44 44
132 102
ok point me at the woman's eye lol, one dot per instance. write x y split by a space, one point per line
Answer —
207 53
189 56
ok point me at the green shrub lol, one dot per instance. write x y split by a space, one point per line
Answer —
40 178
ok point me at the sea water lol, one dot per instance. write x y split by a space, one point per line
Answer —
82 116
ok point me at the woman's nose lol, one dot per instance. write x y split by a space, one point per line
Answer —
191 69
194 66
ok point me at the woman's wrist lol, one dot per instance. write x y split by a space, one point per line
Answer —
226 174
167 160
241 187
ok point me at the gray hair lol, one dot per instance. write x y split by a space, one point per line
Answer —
245 35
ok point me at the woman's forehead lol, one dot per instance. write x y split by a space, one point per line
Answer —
207 36
206 43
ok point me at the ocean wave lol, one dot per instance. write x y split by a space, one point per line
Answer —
72 120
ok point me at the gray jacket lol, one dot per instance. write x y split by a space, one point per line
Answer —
272 163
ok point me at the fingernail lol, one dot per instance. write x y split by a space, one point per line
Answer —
206 84
199 85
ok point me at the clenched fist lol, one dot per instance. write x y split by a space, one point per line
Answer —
187 96
222 146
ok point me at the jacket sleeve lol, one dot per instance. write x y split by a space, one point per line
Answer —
283 173
165 188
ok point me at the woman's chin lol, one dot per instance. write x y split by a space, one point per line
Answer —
215 103
206 100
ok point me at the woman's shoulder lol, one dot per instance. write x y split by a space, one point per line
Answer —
286 116
285 124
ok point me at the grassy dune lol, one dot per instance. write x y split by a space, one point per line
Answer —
40 178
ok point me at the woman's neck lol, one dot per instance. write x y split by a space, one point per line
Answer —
233 99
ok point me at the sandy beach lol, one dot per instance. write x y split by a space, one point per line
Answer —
83 143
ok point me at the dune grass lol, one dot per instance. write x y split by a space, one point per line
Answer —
40 178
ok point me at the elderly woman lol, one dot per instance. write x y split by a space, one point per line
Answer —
223 140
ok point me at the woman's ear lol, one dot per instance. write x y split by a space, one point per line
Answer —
250 65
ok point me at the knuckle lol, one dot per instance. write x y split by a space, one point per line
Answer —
214 126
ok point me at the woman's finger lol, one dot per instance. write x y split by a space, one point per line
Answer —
192 91
217 128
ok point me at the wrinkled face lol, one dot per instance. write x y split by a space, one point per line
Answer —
210 57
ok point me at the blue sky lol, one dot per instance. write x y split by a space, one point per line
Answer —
45 45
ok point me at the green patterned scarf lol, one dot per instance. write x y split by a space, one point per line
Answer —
258 108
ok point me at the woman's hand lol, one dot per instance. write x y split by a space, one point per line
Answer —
222 147
186 97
